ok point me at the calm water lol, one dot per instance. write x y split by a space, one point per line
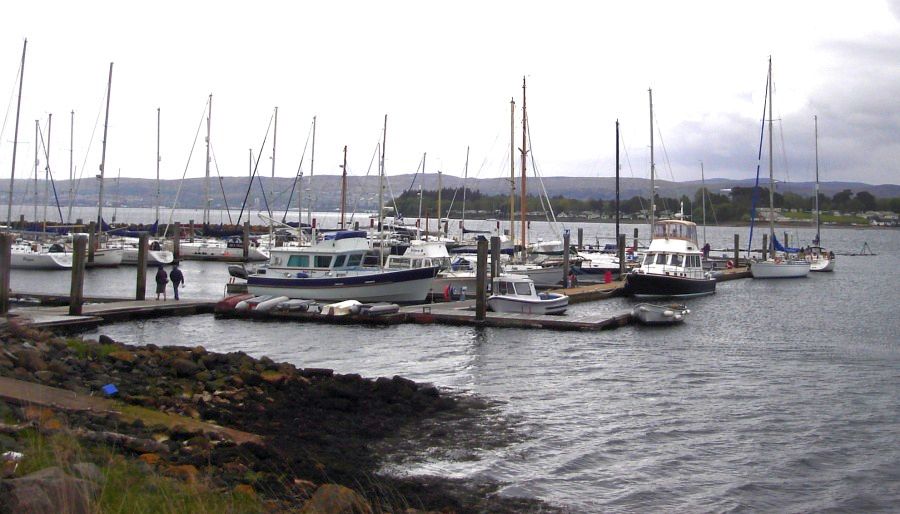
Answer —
773 396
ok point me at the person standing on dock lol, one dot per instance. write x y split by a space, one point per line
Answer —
161 280
177 278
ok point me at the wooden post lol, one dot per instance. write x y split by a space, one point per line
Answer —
76 294
176 241
355 225
6 241
21 222
635 238
141 289
786 241
79 222
92 240
620 247
737 244
481 281
580 238
765 247
565 280
495 256
246 240
191 231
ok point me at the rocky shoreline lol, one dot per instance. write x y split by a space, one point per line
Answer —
318 428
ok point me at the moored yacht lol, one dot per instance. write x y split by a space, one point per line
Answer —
673 265
333 269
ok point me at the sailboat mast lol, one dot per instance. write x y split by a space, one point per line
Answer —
71 166
465 179
381 196
271 222
524 151
206 180
440 187
344 188
12 175
36 161
816 120
703 199
47 169
312 168
158 159
103 153
771 171
512 170
617 183
652 169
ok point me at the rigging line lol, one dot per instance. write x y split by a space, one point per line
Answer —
630 169
420 166
12 94
368 172
87 153
255 174
221 184
549 207
668 163
184 174
298 177
50 173
755 196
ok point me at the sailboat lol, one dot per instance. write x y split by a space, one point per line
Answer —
673 264
818 258
786 264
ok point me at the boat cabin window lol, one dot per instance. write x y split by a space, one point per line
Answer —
298 261
399 262
523 288
661 258
501 288
339 261
323 261
354 259
677 259
693 261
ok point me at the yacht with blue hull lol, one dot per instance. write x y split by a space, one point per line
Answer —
672 266
333 270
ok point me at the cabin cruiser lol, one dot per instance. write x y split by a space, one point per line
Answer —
334 270
673 264
516 294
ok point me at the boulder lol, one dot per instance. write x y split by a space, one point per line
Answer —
184 367
30 359
49 491
336 499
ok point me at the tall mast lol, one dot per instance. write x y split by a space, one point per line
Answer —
465 179
12 175
703 199
512 170
771 171
381 195
816 120
47 169
158 159
312 168
652 169
36 161
271 222
206 180
344 187
71 164
103 154
617 183
524 151
440 187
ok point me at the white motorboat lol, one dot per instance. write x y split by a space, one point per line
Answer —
230 250
25 255
450 281
156 255
516 294
651 314
105 257
673 266
333 270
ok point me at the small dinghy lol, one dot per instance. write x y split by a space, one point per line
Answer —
650 314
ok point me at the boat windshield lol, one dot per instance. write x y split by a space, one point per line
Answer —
672 229
523 288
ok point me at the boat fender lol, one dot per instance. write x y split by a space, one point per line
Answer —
301 275
777 260
729 264
448 292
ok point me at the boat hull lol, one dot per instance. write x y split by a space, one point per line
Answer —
215 252
549 303
404 286
785 269
821 265
40 260
106 258
154 257
650 314
651 285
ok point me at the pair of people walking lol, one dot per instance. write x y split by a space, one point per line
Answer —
162 279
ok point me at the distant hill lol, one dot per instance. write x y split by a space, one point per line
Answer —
134 192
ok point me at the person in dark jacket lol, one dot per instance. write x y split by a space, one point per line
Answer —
177 278
161 280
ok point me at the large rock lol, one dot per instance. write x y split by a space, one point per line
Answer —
336 499
30 360
48 491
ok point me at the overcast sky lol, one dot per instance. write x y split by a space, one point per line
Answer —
445 73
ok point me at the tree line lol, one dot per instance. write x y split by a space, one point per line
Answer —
733 206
